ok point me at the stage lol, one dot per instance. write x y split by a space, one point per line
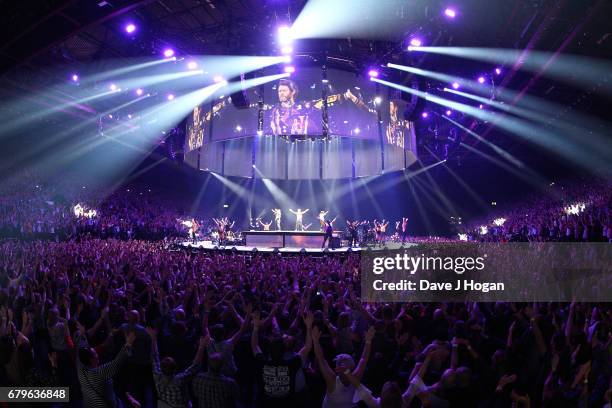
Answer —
288 239
210 246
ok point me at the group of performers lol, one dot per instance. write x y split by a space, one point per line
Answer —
358 232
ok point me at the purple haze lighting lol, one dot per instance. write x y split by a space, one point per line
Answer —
450 12
415 42
373 73
455 85
170 97
75 77
139 91
168 52
130 28
424 115
289 69
498 71
449 112
481 80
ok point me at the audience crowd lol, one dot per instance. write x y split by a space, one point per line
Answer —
575 212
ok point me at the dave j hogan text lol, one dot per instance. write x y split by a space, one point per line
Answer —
424 285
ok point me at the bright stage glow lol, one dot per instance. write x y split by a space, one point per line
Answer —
170 97
192 65
113 87
75 77
238 128
424 115
455 85
284 35
575 209
450 12
168 52
139 91
481 80
218 78
373 73
499 221
415 42
483 230
289 69
498 71
130 28
449 112
463 237
286 49
377 100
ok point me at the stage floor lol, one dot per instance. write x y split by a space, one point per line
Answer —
208 245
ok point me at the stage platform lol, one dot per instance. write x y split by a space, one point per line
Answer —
210 246
287 239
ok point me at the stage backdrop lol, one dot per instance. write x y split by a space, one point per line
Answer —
337 126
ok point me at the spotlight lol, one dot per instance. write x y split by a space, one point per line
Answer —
481 80
284 35
113 87
455 85
238 128
170 97
289 69
168 52
480 106
259 133
498 71
424 115
218 78
450 12
377 100
373 73
130 28
75 77
449 112
287 49
192 65
415 42
356 131
139 91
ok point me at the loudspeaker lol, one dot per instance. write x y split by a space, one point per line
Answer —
415 104
240 99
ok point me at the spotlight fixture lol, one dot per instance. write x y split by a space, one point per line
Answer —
455 85
498 71
377 100
415 42
238 128
130 28
75 77
139 91
373 73
168 52
287 49
218 78
284 35
424 115
113 87
450 12
192 65
170 97
449 112
289 69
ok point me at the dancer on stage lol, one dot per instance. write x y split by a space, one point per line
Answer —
352 228
404 228
266 227
298 218
329 231
322 215
223 227
193 229
277 217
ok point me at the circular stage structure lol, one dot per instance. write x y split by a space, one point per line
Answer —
318 124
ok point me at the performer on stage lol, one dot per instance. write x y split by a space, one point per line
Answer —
298 218
193 230
266 227
352 228
329 231
322 215
277 217
404 228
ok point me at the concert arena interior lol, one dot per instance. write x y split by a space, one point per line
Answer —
305 203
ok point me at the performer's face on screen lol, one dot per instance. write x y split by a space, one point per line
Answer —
285 94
